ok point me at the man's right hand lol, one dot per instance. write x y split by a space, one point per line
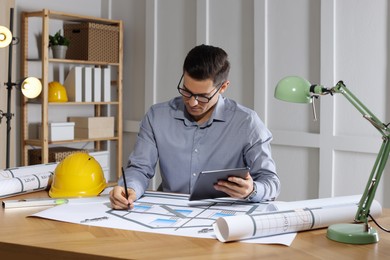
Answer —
118 198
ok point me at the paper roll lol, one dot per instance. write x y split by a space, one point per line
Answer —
26 170
24 184
240 227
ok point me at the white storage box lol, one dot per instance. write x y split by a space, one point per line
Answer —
59 131
103 158
106 172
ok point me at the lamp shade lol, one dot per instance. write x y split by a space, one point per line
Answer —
31 87
293 89
5 37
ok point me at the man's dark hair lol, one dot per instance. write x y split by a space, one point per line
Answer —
207 62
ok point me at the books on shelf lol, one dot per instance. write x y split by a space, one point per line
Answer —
88 84
97 84
106 84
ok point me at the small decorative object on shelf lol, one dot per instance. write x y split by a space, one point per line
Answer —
59 44
57 92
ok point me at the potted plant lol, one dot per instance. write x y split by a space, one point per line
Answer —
59 44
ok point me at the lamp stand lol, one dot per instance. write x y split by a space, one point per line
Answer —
31 87
353 233
363 233
9 85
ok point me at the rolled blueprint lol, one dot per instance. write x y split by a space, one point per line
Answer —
25 179
26 170
24 184
290 219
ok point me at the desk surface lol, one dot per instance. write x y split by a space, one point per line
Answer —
35 238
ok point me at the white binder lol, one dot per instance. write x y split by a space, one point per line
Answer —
97 85
87 84
106 84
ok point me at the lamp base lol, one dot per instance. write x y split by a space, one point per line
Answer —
352 234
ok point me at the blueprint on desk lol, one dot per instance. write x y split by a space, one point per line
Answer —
225 219
175 214
162 213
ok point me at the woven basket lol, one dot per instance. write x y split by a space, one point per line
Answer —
56 154
92 42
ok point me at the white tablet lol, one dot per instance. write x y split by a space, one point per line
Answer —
204 186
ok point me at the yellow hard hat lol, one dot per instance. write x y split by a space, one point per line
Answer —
78 175
57 92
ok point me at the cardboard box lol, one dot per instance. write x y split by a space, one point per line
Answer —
93 127
56 154
59 131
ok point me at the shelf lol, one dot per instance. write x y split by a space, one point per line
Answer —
48 66
70 17
85 62
82 62
37 142
74 103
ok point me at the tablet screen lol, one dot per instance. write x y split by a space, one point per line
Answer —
204 186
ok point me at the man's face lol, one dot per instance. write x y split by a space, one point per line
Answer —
201 111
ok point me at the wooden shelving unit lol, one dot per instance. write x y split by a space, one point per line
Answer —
44 61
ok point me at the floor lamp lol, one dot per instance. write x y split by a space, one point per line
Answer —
31 87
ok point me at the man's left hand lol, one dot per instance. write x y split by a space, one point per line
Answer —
236 187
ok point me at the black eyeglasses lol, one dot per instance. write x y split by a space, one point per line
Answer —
198 97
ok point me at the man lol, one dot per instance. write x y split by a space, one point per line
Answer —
199 131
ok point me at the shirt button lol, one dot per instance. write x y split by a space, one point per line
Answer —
196 150
194 174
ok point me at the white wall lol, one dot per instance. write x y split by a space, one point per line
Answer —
323 41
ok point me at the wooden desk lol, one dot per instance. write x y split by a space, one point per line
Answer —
35 238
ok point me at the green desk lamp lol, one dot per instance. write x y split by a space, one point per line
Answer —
298 90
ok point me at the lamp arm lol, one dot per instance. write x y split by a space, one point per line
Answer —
367 114
382 157
373 182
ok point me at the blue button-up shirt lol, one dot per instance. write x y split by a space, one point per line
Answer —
233 137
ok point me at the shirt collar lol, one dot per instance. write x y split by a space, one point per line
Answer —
219 113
